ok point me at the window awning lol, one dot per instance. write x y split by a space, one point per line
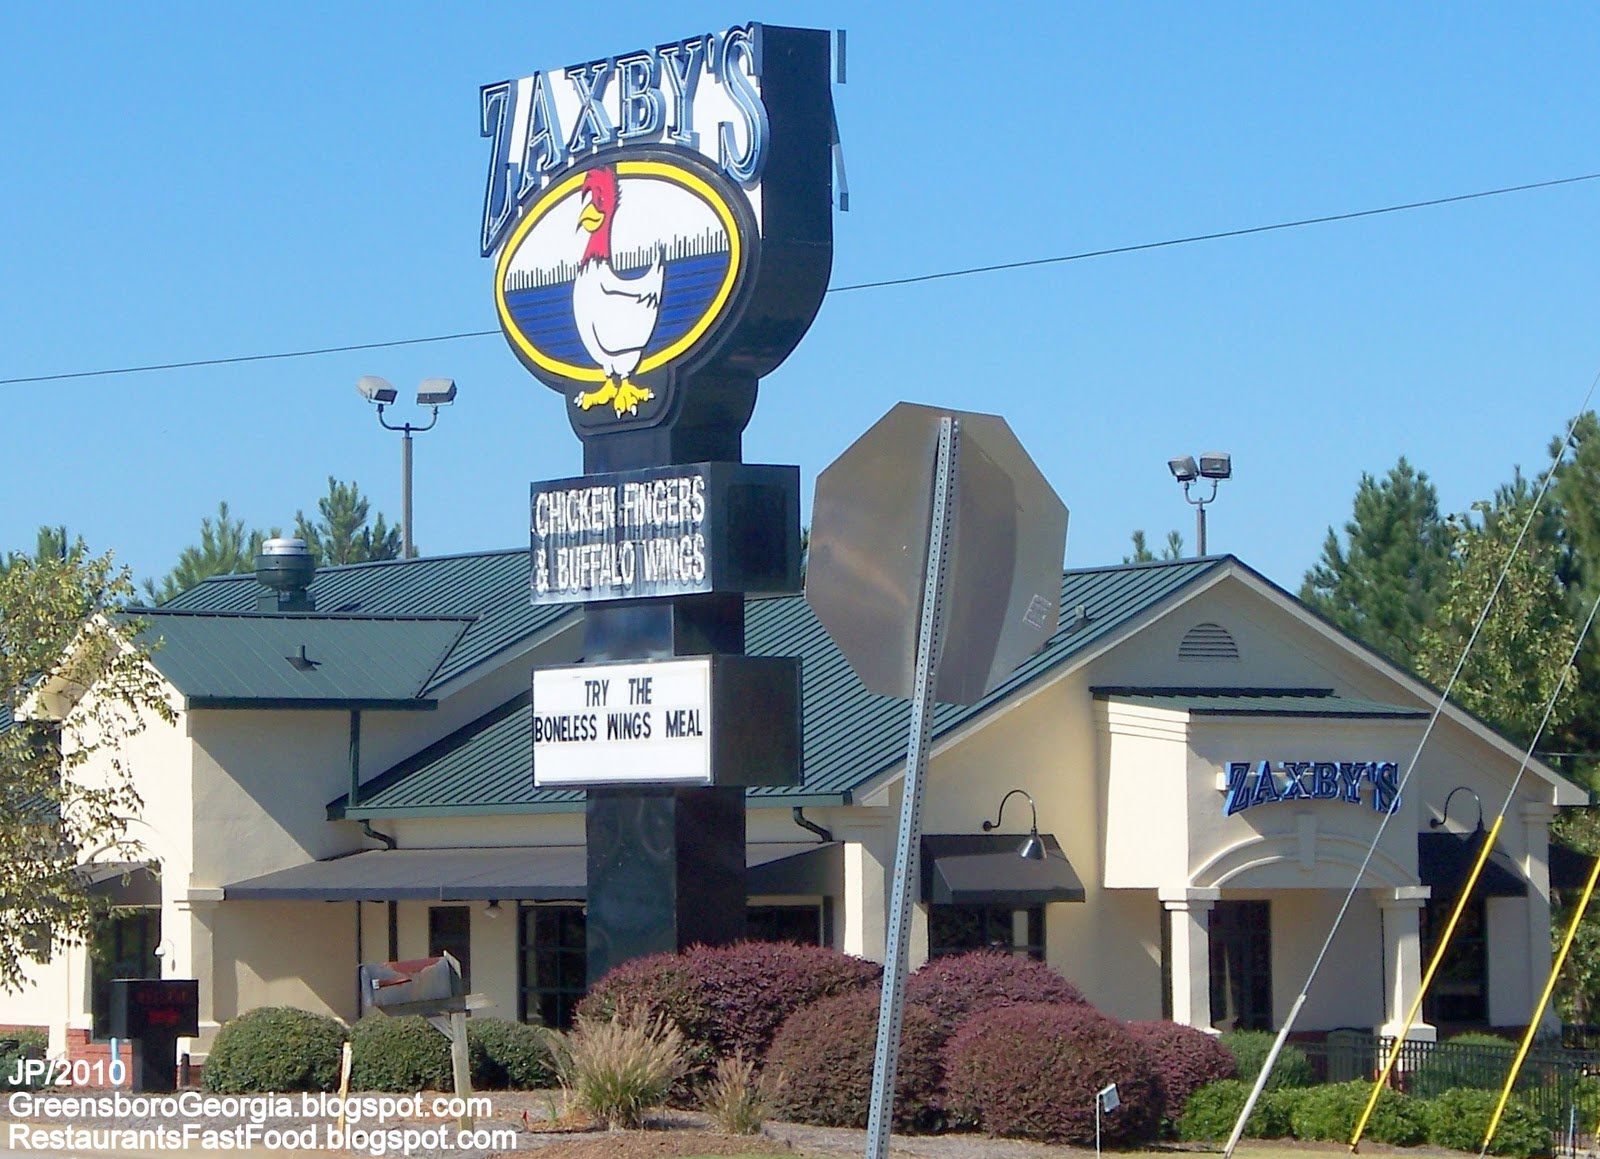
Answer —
1445 859
527 873
984 869
122 883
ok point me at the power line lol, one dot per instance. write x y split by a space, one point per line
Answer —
910 280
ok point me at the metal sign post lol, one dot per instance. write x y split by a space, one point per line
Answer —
891 1008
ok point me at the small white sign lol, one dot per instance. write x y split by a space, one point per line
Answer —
609 724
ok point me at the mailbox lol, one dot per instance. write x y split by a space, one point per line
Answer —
415 986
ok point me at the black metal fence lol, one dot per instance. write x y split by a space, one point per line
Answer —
1559 1084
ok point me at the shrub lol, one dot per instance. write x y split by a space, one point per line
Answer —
727 999
398 1054
1033 1070
957 985
30 1042
824 1053
618 1070
1185 1058
1457 1119
1329 1113
1250 1049
1476 1061
509 1055
739 1097
1213 1109
275 1048
658 986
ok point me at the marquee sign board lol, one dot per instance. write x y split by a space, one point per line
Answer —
696 720
659 213
666 531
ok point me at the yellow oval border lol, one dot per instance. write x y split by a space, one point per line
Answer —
641 168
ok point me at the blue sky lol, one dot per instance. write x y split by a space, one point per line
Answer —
190 181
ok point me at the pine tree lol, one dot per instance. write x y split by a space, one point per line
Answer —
1382 584
341 535
225 548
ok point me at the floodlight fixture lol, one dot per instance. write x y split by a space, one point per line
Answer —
375 389
433 392
1213 465
436 392
1032 848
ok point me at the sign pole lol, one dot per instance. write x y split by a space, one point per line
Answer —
930 633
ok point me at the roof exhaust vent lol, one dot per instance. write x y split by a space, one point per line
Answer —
286 568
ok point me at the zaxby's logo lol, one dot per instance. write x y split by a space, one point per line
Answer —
661 217
618 271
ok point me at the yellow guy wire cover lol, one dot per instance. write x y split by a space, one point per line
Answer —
1427 980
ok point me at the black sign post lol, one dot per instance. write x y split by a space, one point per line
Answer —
661 223
152 1014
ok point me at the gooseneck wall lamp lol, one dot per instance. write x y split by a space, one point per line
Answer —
435 393
1213 465
1444 814
1031 849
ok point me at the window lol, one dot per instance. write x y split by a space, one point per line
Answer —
805 925
1460 991
1241 965
552 963
954 929
124 946
450 928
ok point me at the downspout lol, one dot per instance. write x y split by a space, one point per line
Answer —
368 830
801 820
355 780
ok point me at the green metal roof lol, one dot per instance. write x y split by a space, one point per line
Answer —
851 735
1257 702
245 659
490 588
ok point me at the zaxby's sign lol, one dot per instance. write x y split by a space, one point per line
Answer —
660 214
1252 783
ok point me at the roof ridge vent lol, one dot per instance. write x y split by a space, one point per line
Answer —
286 568
1208 641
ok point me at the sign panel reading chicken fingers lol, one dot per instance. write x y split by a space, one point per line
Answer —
661 220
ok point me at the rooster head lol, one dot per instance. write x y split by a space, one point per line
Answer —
599 197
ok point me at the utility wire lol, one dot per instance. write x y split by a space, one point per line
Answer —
910 280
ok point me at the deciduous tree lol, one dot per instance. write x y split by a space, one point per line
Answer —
61 637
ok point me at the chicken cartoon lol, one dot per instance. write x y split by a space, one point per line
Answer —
615 315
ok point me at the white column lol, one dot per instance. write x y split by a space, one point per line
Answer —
198 911
1188 914
1536 818
868 870
1401 911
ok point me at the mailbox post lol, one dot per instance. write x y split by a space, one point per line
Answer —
152 1014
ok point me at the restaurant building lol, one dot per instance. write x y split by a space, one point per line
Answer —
349 779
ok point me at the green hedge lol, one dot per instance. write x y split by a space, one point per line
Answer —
275 1048
399 1054
509 1055
30 1043
1250 1049
1457 1119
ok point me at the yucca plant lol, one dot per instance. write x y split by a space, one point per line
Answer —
617 1070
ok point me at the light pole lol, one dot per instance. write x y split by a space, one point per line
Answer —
1213 465
434 392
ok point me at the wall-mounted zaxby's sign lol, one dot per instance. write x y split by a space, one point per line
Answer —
661 213
1252 783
